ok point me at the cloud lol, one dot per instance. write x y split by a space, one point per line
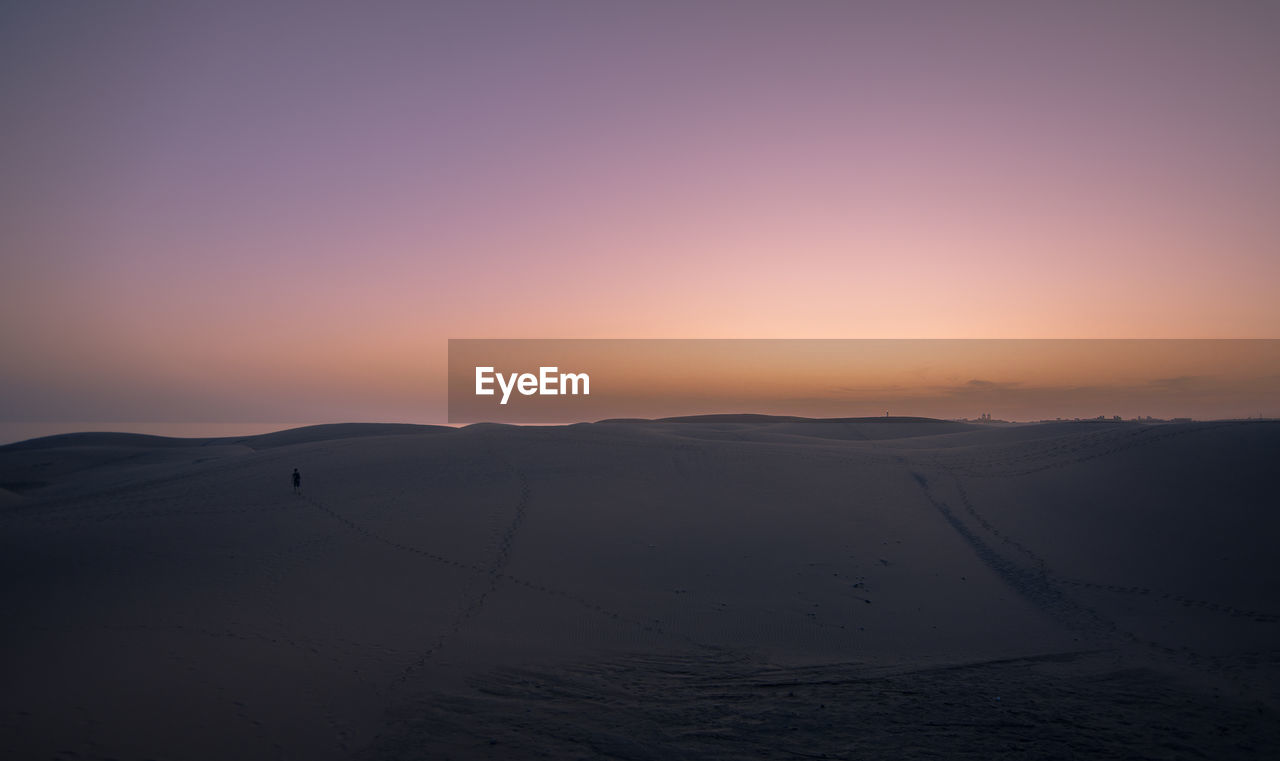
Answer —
984 387
1180 383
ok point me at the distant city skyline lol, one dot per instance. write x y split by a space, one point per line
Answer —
282 211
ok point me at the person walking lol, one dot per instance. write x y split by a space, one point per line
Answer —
297 481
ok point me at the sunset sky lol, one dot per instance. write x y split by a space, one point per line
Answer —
246 211
1007 379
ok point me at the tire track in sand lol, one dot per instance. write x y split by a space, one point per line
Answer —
494 571
1034 580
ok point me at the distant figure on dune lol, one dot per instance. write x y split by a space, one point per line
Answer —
297 481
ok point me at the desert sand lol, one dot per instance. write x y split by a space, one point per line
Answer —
699 588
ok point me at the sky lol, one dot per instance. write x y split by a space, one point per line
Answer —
281 211
1004 379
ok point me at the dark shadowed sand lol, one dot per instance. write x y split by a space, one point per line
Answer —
711 588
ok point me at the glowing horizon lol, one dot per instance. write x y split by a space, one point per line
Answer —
242 212
1017 380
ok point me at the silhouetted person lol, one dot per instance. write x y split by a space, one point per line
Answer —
297 481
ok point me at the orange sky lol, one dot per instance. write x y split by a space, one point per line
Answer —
1006 379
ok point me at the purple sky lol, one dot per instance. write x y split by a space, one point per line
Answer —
280 211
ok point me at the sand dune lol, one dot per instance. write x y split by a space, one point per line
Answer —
716 587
